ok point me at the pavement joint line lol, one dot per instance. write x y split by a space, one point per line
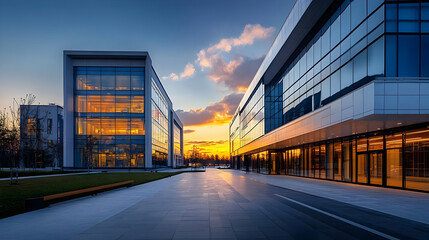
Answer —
340 218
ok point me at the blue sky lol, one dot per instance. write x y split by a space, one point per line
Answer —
33 35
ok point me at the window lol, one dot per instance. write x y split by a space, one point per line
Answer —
335 82
345 22
347 75
391 56
93 81
360 66
326 39
376 58
425 56
108 81
137 82
358 12
49 126
408 17
31 126
408 55
425 18
122 81
326 88
391 17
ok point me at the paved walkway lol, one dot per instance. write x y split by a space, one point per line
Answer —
216 204
407 204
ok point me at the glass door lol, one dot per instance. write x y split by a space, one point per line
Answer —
376 167
362 168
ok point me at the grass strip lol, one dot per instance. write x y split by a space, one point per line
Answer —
12 197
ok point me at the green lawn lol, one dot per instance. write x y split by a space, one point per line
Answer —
12 197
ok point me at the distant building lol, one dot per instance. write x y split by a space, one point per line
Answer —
117 113
343 94
41 136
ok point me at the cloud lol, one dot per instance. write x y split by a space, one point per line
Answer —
247 37
189 71
237 73
216 113
188 131
172 76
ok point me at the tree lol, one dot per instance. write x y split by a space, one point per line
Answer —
89 147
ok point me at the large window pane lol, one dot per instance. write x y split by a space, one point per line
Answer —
408 17
326 88
391 17
425 56
93 103
345 22
391 56
326 39
80 81
122 81
417 159
122 104
80 104
360 66
335 32
137 82
376 58
108 126
93 80
137 104
137 126
358 12
362 161
347 75
408 56
108 104
394 160
335 82
337 162
108 81
122 126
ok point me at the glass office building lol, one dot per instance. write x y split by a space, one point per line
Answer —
106 125
345 96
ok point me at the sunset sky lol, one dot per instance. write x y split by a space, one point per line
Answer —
205 51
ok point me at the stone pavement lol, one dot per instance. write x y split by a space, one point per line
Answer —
216 204
402 203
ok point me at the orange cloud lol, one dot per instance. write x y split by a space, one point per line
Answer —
217 113
238 72
247 37
187 72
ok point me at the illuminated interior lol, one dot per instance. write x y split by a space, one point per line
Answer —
109 107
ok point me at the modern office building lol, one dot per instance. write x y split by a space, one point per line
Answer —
117 114
41 133
343 94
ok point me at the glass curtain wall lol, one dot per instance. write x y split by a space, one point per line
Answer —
177 145
109 117
159 127
346 53
386 159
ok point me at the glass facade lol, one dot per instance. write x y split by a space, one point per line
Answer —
177 145
109 124
355 44
159 127
375 158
